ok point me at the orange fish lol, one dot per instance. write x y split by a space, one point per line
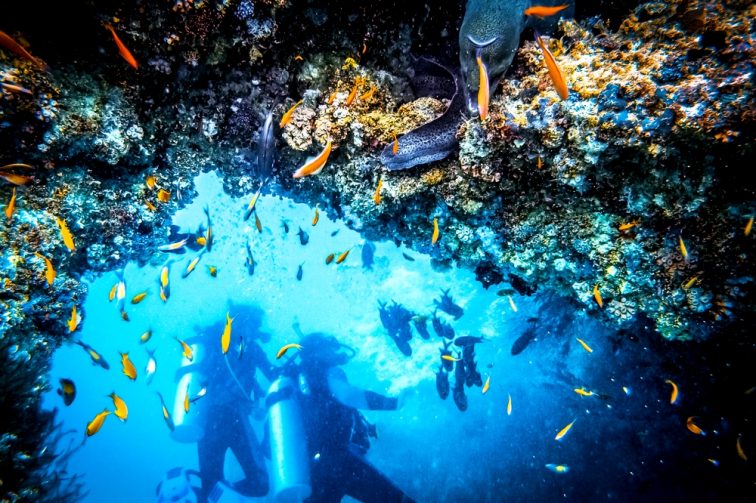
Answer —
483 88
49 269
343 256
509 405
11 208
585 346
543 11
298 57
9 43
554 72
683 249
129 370
329 258
15 179
122 50
740 450
187 349
15 88
316 218
332 97
693 427
368 94
150 182
628 226
352 94
395 146
486 385
539 162
287 116
435 235
95 424
675 391
316 164
149 205
163 196
597 296
258 223
564 430
749 225
66 234
138 298
73 322
377 195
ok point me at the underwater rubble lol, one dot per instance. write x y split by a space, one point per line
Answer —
597 193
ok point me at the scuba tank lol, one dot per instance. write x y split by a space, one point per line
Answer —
189 427
290 469
176 487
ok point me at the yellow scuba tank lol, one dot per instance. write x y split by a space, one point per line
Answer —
289 467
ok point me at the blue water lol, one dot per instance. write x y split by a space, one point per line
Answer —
428 448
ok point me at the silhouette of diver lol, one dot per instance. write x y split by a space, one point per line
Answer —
231 381
337 433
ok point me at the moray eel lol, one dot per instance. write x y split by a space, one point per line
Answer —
493 28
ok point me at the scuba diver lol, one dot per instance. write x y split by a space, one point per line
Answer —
336 433
231 395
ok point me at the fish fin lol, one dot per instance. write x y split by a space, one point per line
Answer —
480 45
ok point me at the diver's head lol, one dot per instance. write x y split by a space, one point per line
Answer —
248 321
324 350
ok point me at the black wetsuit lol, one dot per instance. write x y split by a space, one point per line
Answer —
228 427
337 466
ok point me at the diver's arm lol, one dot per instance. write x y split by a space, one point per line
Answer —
352 396
268 370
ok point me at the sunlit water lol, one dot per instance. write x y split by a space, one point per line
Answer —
430 449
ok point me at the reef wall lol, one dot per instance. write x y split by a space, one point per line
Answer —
655 137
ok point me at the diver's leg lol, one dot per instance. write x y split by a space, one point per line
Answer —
326 476
211 450
364 482
248 453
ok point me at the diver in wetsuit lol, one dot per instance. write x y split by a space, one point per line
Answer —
232 391
337 433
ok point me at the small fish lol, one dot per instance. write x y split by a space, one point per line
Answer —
627 390
298 57
9 43
166 415
675 391
112 293
483 88
450 358
226 336
628 226
146 336
150 182
434 237
202 392
163 196
49 269
353 93
395 146
349 63
178 245
124 315
304 238
121 411
330 258
564 430
408 257
95 424
509 405
693 427
542 11
74 320
129 370
66 234
597 296
16 89
15 179
186 400
740 450
208 244
151 367
287 347
512 303
164 276
192 265
316 218
187 349
558 468
97 359
749 225
11 208
212 270
343 256
584 392
149 205
539 162
252 203
377 194
368 94
315 165
332 97
688 284
258 223
486 385
136 299
67 390
122 49
557 77
165 293
713 461
250 261
287 116
585 346
201 240
300 272
683 248
121 290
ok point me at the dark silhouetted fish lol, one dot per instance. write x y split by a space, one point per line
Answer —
460 399
402 344
421 326
250 261
285 225
368 253
395 319
68 390
304 238
266 148
447 305
96 357
442 329
408 257
335 232
447 364
523 341
468 340
442 383
299 272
